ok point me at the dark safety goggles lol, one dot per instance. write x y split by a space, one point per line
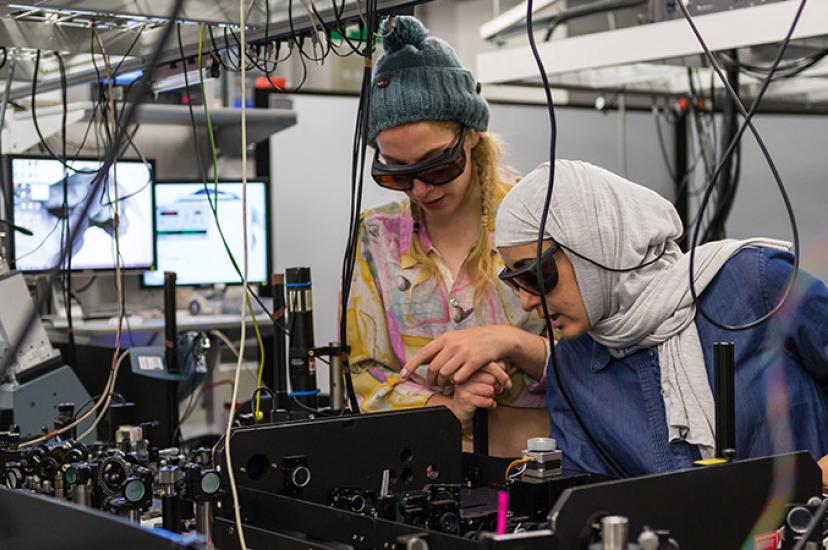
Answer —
440 170
524 276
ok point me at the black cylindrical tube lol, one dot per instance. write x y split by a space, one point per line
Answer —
171 357
170 328
171 513
481 431
302 367
280 386
723 364
66 414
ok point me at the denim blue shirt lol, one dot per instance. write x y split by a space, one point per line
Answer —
785 360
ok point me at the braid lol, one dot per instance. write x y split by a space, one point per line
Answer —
481 263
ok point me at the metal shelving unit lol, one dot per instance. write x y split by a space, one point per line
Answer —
128 32
67 26
653 58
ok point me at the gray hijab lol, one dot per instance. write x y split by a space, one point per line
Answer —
621 224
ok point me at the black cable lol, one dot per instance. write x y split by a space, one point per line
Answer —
95 185
296 88
254 61
67 277
87 286
541 234
784 71
585 10
203 176
41 243
342 28
729 151
684 182
92 400
238 55
215 53
359 152
42 139
706 141
195 395
301 405
298 40
662 145
727 183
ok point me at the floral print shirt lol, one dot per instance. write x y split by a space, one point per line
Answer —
391 316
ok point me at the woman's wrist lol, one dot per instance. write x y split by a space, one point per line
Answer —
529 352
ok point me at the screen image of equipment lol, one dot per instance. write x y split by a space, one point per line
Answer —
188 241
37 204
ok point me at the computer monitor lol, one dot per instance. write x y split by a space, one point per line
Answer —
187 239
37 204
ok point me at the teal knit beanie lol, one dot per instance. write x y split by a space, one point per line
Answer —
420 78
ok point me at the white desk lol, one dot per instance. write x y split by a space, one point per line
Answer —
87 331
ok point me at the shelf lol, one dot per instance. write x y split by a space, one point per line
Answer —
67 26
261 123
652 58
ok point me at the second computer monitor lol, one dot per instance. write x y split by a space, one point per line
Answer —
188 240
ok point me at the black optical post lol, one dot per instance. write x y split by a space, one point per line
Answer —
170 351
280 391
724 373
480 432
301 365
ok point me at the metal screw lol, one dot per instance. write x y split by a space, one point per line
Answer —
274 466
231 530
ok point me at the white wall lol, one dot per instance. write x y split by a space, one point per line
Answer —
797 144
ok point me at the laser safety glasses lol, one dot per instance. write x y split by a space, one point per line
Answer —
524 276
439 170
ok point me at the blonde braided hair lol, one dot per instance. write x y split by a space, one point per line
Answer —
486 172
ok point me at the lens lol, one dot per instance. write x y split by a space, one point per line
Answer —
441 175
210 483
524 276
134 490
528 282
798 519
398 183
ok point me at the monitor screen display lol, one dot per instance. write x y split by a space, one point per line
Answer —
187 238
37 205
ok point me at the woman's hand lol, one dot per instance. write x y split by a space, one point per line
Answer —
478 392
453 357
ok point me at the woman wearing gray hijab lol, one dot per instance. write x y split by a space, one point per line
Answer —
635 355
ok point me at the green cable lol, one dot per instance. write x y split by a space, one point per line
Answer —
214 208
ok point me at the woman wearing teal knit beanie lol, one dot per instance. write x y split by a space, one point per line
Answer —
427 309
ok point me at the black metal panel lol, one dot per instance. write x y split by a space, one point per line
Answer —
710 507
33 521
349 452
667 9
276 514
225 537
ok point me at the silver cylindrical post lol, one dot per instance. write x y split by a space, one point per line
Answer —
336 380
204 518
615 531
81 495
134 515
